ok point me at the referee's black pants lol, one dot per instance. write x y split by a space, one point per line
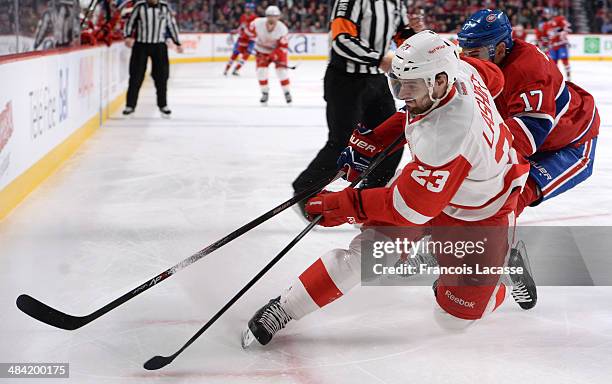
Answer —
160 71
351 98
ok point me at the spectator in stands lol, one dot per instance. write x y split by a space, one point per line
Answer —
606 25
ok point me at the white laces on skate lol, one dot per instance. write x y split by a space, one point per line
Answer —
274 318
520 293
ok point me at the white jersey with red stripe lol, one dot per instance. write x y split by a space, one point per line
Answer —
463 162
267 40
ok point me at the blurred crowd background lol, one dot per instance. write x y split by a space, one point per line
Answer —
41 24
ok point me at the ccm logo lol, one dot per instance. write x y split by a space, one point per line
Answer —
362 144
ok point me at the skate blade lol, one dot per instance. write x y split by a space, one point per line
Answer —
247 338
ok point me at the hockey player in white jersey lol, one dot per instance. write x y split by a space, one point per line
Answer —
464 174
271 46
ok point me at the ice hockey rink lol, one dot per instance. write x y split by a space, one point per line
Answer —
144 193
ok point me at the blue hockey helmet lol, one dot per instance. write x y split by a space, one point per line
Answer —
486 28
250 6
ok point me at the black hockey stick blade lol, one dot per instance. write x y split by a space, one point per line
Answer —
158 362
281 65
44 313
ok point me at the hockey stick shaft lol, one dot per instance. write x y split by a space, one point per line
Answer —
46 314
92 5
281 65
158 362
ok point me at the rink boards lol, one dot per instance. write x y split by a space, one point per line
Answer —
315 46
49 104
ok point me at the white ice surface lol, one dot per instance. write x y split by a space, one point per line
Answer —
144 193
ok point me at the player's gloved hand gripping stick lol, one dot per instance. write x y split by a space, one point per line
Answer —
362 148
158 362
44 313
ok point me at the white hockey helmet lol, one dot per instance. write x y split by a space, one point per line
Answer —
423 56
272 10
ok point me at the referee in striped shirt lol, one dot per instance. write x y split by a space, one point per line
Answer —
355 85
151 22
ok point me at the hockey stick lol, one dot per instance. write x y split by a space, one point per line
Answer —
158 362
281 65
93 3
44 313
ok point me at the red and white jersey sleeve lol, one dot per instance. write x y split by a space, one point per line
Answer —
267 41
389 130
463 163
490 73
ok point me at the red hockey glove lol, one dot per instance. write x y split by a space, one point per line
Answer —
336 207
356 158
279 56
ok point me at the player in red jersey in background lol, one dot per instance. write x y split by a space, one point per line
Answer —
243 47
556 32
554 123
540 39
464 174
271 46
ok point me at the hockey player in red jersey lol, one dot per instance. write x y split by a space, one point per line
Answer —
464 173
271 46
541 40
556 32
244 45
554 123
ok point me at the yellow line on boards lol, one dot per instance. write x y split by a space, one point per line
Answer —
591 58
24 184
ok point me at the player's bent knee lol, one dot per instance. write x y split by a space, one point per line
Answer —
344 268
470 302
449 322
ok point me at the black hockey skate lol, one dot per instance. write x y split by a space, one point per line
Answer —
264 97
288 98
165 112
524 290
270 319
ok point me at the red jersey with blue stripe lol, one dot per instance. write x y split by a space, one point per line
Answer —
556 31
245 21
542 110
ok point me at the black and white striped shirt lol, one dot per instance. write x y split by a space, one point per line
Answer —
153 24
361 32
